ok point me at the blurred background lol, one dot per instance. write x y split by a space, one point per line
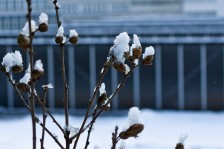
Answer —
188 37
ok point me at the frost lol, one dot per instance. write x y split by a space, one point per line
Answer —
48 86
127 69
134 116
120 46
74 131
25 30
43 18
7 61
182 138
73 33
58 5
25 79
136 41
64 39
60 31
102 89
136 61
55 136
38 66
148 51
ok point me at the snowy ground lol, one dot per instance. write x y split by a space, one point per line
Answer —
205 131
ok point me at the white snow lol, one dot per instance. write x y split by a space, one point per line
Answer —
73 33
43 18
18 58
136 41
134 116
7 61
127 69
148 51
60 31
102 89
25 79
182 138
48 86
39 66
161 130
25 30
121 45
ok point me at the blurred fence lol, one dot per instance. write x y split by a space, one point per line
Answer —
187 73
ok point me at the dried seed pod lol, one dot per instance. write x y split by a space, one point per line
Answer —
17 69
36 75
101 100
137 52
23 41
59 39
23 87
73 39
126 54
119 66
43 27
132 131
147 60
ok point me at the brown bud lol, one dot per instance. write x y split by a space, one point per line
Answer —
17 69
107 108
3 69
43 27
131 59
120 67
73 39
137 52
36 75
102 98
126 54
23 41
23 87
179 146
59 39
132 131
147 60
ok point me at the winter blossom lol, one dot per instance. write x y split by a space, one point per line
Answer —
38 65
148 51
73 33
43 18
134 116
120 46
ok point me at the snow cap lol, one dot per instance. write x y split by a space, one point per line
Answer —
25 79
102 89
134 116
38 66
148 51
73 33
25 30
60 31
43 18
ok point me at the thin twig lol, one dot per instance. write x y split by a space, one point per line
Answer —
102 74
32 102
44 118
114 138
57 14
90 129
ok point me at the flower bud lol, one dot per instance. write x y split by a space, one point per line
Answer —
147 60
59 39
3 69
137 52
36 75
23 41
73 39
101 100
23 87
120 67
17 69
132 131
179 146
43 27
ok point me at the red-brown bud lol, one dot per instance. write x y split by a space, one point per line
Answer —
17 69
59 39
43 27
23 41
73 39
119 66
147 60
132 131
36 75
23 87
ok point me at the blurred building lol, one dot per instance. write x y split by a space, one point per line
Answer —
188 36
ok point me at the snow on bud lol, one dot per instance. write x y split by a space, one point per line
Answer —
7 61
25 30
43 18
134 116
135 49
60 38
182 138
60 31
38 70
73 36
136 41
127 69
58 5
136 62
39 65
120 46
148 52
18 58
102 89
25 79
74 131
43 22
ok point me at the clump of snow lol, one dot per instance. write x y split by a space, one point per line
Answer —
18 58
25 30
127 69
182 138
122 145
25 79
48 86
96 147
136 61
60 31
74 131
121 45
43 18
134 116
12 59
38 66
136 44
58 5
73 33
148 51
102 89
